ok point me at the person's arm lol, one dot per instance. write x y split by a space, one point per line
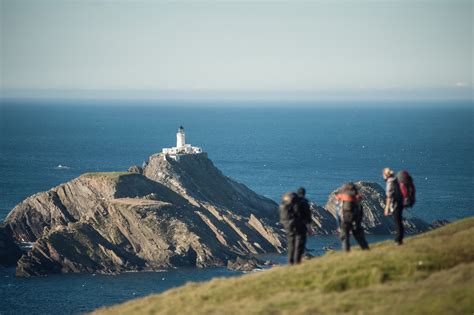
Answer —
338 205
386 211
283 218
308 219
388 201
307 211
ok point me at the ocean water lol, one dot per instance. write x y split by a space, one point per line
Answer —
270 147
80 293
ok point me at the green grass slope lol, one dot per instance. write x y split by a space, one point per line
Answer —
432 273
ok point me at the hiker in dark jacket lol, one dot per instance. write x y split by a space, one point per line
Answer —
349 214
304 209
295 216
394 203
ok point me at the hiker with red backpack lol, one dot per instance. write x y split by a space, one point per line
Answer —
349 214
400 191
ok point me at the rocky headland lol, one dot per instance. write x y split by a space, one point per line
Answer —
168 213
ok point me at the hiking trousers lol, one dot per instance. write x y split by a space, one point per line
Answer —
399 229
296 245
357 231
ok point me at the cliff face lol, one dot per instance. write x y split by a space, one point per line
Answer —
113 222
239 217
67 203
197 179
374 221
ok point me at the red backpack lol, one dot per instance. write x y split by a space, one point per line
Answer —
407 188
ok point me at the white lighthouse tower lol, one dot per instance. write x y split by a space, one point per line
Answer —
181 147
180 138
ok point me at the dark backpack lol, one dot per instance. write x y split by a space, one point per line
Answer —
302 211
351 211
288 210
349 205
407 188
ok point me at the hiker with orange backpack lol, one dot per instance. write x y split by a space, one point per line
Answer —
349 214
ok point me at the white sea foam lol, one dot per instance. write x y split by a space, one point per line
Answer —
62 167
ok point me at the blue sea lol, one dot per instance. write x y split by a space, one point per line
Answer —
272 147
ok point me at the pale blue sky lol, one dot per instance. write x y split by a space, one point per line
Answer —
237 48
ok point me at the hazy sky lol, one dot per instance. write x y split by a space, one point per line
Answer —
238 47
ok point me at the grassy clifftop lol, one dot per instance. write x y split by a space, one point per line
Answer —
432 273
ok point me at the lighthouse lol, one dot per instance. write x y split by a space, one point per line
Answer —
180 138
181 147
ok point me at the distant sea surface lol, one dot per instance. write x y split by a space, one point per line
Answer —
272 148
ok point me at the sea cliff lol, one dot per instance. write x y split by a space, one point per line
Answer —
184 213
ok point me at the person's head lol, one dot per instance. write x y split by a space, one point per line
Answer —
349 187
301 192
288 198
387 173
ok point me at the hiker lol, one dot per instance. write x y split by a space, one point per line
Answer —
304 210
349 214
295 216
394 203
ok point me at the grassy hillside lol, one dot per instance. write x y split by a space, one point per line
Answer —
432 273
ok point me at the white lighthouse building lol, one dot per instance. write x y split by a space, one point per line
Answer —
181 147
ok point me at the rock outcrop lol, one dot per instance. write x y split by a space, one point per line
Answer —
324 222
173 216
438 223
245 265
135 169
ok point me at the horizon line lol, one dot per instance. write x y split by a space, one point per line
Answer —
343 95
